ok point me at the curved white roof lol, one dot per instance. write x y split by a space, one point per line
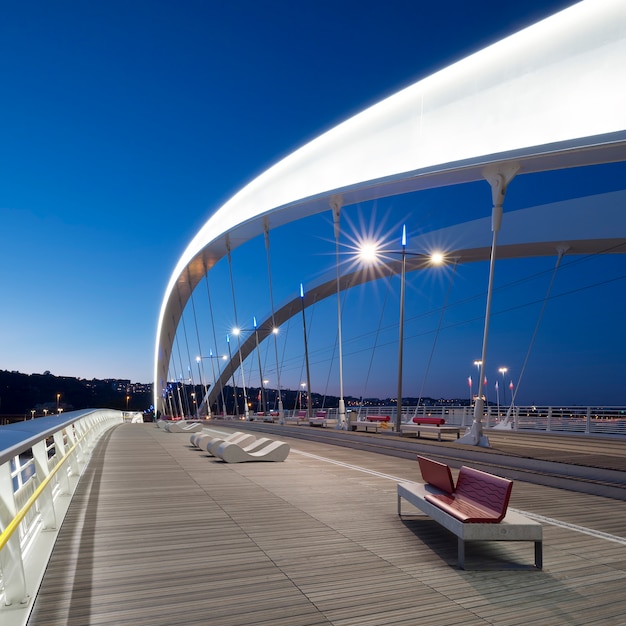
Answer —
548 97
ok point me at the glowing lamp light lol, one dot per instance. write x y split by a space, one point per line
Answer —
437 258
368 251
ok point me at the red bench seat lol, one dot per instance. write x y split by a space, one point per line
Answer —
378 418
436 421
478 497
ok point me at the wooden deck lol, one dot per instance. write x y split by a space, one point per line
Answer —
161 534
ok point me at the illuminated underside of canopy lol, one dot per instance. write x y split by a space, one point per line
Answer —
546 98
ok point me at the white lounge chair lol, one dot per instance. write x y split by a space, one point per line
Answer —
241 440
276 451
203 437
184 427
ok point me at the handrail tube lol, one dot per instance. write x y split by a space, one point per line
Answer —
24 435
21 514
81 430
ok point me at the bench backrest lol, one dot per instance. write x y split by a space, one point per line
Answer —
436 474
321 414
437 421
486 490
378 418
301 414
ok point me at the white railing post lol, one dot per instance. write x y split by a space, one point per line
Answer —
60 452
11 562
45 500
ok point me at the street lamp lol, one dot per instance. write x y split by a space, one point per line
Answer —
369 252
237 332
58 401
478 363
203 383
232 369
401 332
300 393
503 371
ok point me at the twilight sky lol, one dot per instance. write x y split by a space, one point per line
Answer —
126 124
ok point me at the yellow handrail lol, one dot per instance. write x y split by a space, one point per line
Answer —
21 514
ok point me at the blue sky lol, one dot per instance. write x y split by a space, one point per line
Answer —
126 124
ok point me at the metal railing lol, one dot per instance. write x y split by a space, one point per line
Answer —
41 462
589 420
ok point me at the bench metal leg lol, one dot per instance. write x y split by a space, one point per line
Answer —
461 553
400 505
539 554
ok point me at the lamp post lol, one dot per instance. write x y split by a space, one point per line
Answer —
300 392
203 382
58 401
370 252
237 332
478 363
230 360
246 411
401 329
503 371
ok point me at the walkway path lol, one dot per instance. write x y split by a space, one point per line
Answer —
160 534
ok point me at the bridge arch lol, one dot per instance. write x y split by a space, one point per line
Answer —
563 226
499 106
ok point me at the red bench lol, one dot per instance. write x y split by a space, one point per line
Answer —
378 418
474 510
435 421
478 497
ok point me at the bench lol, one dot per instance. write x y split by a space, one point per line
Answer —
435 421
300 417
410 430
475 510
320 419
371 424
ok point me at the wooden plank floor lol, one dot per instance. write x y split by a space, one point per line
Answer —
161 534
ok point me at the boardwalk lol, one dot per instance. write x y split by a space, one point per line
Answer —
160 534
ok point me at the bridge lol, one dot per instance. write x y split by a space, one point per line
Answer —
107 521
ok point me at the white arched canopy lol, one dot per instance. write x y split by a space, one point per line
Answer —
548 97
